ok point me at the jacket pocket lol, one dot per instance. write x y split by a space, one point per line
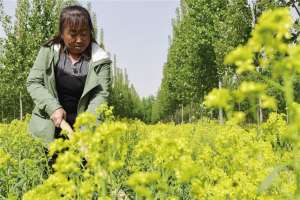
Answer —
42 128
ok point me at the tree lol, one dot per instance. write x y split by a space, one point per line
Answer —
203 32
123 97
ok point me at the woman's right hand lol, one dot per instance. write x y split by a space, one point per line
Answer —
57 116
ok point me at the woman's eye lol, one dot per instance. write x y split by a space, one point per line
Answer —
73 34
84 34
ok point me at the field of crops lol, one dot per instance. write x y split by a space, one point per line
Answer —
128 159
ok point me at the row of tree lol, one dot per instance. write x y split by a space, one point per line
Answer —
203 33
125 99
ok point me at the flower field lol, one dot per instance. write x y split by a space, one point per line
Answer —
131 160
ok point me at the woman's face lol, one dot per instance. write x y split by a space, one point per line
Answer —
76 40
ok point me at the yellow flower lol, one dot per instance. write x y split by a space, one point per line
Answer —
218 98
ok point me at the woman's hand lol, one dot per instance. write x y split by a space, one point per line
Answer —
57 116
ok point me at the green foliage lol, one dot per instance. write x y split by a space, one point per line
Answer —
22 160
203 33
124 98
147 107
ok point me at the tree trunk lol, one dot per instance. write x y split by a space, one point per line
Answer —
14 108
221 118
259 109
287 114
182 113
2 110
191 112
21 106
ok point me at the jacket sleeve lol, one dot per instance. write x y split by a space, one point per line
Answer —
36 84
101 92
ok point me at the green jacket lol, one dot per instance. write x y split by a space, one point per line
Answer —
41 87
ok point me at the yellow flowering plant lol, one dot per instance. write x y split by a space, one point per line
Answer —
22 160
270 40
130 160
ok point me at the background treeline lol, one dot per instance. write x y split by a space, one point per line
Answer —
125 99
203 33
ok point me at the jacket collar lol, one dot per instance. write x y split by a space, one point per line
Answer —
97 52
84 55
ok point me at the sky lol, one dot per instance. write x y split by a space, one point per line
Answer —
137 32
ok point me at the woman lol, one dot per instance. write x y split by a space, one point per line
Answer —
71 75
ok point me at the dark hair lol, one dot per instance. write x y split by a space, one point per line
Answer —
75 16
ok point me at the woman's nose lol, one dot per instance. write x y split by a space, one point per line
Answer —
79 39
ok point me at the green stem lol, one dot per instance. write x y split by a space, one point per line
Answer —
253 108
270 82
289 96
